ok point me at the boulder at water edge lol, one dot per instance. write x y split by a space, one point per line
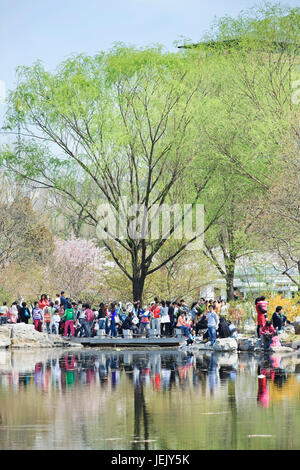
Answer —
22 336
249 344
225 344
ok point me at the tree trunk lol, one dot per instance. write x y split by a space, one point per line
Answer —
138 287
229 285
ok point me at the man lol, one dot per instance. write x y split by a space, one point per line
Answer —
63 300
84 330
212 324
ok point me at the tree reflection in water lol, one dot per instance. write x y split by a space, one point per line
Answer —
140 397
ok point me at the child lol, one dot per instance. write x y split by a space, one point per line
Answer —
77 326
55 323
190 338
37 316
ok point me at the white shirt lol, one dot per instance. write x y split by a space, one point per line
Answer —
212 319
55 318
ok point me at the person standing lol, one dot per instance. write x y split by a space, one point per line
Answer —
212 324
89 317
171 313
101 316
164 319
202 306
13 313
69 319
261 306
63 300
84 330
37 315
48 314
43 302
24 313
144 320
112 316
224 308
3 313
155 314
55 322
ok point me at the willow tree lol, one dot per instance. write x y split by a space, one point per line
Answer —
246 117
114 126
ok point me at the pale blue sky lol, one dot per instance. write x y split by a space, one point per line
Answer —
51 30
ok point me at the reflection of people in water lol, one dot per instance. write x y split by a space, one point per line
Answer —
38 375
213 373
263 396
70 368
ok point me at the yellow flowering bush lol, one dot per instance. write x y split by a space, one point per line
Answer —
291 307
239 312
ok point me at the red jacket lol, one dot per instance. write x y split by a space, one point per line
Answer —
261 309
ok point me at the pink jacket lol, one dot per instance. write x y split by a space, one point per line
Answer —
89 315
182 322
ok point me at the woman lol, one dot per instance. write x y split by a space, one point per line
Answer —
13 313
266 333
223 330
24 313
101 316
261 306
43 302
201 325
194 312
155 316
112 316
182 324
224 308
164 320
128 324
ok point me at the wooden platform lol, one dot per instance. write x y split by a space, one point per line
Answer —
129 342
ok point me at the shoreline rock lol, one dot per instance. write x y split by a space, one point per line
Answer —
23 336
243 343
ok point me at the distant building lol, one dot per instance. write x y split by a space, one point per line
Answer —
253 277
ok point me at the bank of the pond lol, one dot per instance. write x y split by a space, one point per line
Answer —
22 336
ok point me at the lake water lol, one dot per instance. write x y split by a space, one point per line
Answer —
96 399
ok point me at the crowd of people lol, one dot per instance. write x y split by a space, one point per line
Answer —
205 318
